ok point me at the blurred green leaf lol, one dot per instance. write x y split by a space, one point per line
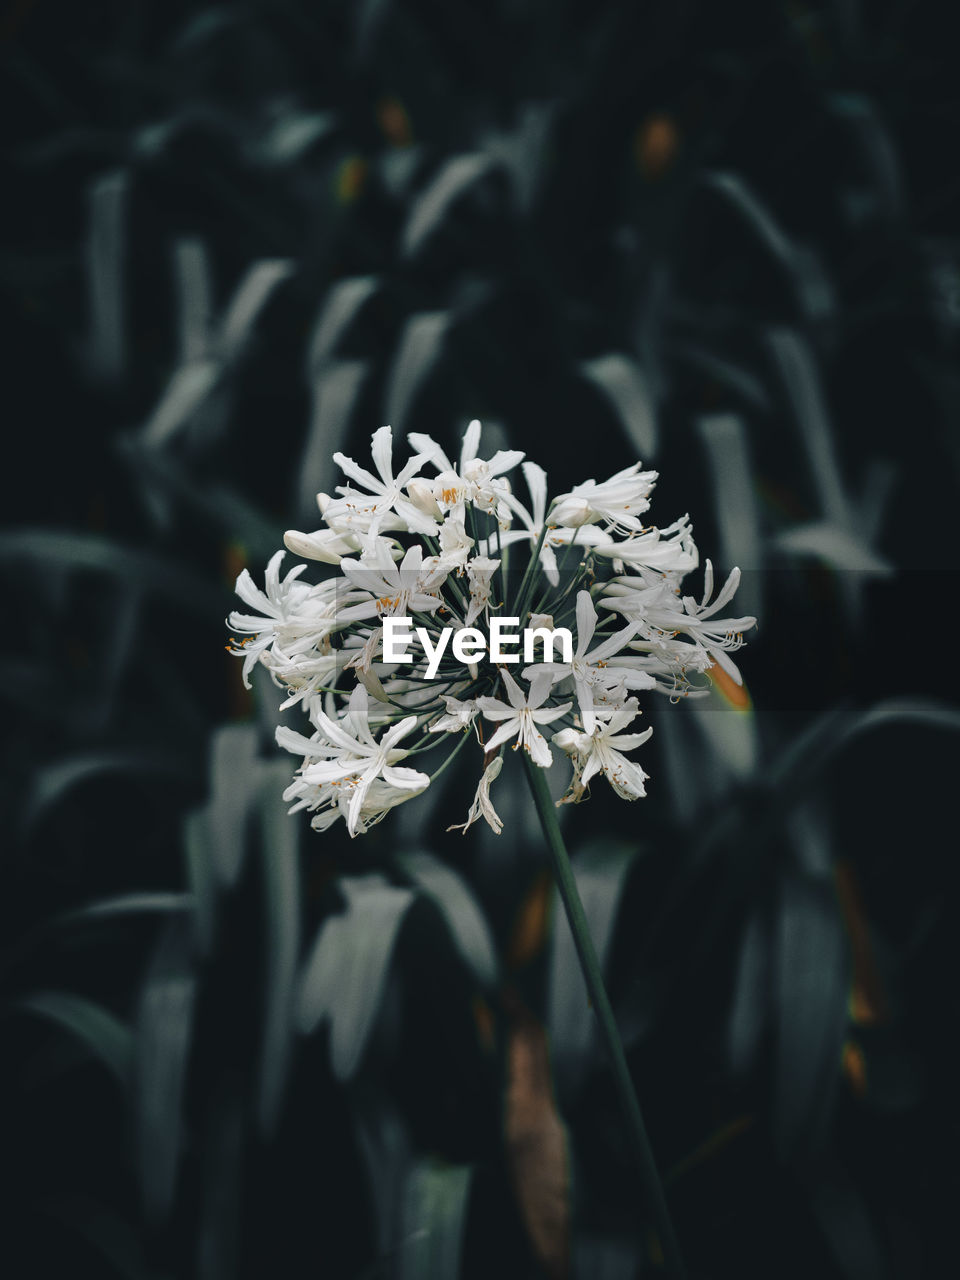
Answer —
234 781
735 504
801 381
192 383
339 309
294 134
191 269
606 1256
279 848
50 550
336 390
384 1144
188 388
215 506
621 381
100 1031
433 204
218 1237
845 1222
106 276
835 546
811 985
418 353
730 732
105 1230
436 1198
725 371
523 150
53 782
125 904
163 1038
695 771
800 266
875 145
752 994
740 196
813 750
198 845
811 842
601 872
250 297
345 975
96 913
465 920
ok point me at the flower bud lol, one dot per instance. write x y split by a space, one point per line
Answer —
324 545
420 494
571 513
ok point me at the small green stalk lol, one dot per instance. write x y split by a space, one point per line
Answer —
526 582
590 966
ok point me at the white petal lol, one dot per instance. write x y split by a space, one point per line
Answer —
586 622
536 479
540 686
355 472
509 729
430 449
514 692
405 779
494 709
546 714
471 443
381 450
504 460
539 749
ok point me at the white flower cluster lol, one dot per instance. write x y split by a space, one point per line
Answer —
439 543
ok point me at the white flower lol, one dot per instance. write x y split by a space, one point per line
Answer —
393 589
533 522
480 573
664 617
326 545
618 500
431 550
384 492
420 493
669 550
305 676
459 715
591 671
295 615
482 806
330 801
602 752
455 546
477 481
522 715
346 755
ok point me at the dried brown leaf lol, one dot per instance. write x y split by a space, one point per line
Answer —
536 1143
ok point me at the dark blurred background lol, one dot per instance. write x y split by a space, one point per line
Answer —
723 239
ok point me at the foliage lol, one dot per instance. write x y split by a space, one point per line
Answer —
723 244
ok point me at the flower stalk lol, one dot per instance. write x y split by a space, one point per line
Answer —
590 966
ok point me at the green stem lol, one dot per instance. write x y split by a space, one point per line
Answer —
529 575
467 733
590 965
